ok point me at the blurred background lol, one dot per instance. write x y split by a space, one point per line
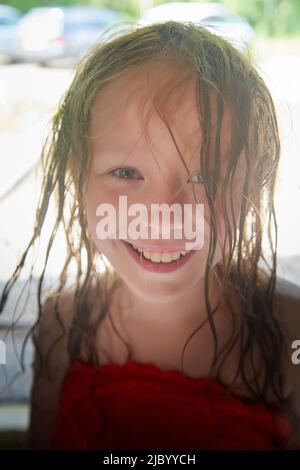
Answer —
40 44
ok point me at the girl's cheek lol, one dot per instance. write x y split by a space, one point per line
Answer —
227 213
93 200
90 205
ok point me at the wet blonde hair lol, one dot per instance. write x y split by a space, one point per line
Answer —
222 72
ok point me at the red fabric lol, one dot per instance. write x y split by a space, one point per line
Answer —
139 406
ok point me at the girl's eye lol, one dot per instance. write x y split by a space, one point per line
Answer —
198 178
124 173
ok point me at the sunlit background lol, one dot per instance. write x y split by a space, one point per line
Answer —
40 43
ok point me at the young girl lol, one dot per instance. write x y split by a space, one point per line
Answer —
170 348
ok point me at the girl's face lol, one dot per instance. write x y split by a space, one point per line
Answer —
141 162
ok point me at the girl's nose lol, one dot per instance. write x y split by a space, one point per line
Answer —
169 190
165 210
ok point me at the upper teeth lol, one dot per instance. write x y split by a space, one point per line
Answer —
161 257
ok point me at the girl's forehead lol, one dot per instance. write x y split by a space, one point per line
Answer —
152 101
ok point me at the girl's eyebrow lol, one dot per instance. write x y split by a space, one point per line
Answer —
103 153
115 155
110 156
107 153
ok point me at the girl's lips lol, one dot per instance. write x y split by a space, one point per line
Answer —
157 267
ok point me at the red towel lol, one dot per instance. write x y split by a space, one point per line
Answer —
138 406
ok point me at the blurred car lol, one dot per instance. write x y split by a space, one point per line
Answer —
9 17
51 33
213 16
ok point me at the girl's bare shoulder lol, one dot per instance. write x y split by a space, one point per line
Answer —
53 327
50 334
57 317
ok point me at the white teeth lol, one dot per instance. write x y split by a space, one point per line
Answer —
161 257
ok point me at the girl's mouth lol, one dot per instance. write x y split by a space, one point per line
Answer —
158 262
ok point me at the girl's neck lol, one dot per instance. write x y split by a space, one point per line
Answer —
157 332
188 310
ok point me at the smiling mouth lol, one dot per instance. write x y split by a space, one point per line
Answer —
155 257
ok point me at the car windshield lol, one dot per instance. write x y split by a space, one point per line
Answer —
8 20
